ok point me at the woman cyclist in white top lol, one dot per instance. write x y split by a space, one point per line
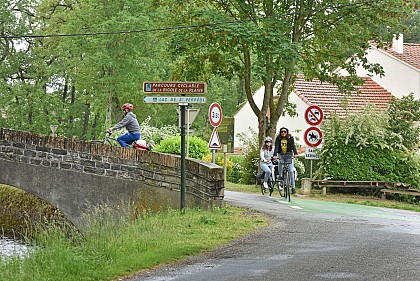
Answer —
266 154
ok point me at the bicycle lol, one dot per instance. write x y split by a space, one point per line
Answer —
270 183
285 182
272 180
107 140
138 145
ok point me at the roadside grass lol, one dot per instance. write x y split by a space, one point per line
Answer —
336 197
112 248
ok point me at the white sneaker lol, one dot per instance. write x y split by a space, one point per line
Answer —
265 185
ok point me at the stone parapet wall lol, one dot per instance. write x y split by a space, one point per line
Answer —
204 181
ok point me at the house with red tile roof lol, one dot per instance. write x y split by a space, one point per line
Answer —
401 64
324 95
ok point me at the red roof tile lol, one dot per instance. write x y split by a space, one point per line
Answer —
410 55
327 96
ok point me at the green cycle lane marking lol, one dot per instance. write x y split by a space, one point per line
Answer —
326 207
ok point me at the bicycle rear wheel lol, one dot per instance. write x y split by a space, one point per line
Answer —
271 185
262 189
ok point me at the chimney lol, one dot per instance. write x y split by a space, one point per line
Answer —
398 44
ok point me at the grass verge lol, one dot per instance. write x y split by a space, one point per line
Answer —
111 248
337 197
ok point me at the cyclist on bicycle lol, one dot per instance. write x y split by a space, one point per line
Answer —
130 123
285 143
266 153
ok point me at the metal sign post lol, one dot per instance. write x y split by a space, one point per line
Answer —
313 135
215 117
182 88
183 166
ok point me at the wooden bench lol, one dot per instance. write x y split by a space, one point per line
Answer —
323 184
407 191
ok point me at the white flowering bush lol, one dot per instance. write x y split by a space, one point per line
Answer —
155 135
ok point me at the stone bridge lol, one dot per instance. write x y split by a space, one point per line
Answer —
75 176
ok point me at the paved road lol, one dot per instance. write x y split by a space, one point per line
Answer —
309 240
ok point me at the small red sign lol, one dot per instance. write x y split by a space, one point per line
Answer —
314 115
215 114
313 136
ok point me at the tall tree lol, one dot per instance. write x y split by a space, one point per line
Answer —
268 42
20 80
81 61
412 34
102 61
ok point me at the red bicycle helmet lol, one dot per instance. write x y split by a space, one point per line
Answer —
128 106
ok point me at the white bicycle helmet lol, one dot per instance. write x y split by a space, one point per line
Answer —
268 138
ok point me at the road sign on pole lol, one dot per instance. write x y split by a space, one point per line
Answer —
314 115
160 99
191 114
214 142
215 114
193 88
311 153
313 136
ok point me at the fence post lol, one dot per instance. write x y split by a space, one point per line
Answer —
306 186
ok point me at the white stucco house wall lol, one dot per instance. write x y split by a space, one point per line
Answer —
245 119
401 63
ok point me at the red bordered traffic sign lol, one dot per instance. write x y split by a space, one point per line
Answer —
214 142
314 115
215 114
313 136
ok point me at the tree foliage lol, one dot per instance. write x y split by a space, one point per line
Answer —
80 66
266 42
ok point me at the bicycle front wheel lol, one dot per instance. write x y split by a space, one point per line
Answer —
280 189
287 185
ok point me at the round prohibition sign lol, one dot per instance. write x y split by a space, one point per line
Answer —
215 114
313 136
314 115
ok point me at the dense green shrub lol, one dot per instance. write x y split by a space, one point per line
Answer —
362 147
402 113
235 174
231 173
197 148
250 161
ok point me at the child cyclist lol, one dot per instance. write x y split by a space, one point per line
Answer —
266 153
130 123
